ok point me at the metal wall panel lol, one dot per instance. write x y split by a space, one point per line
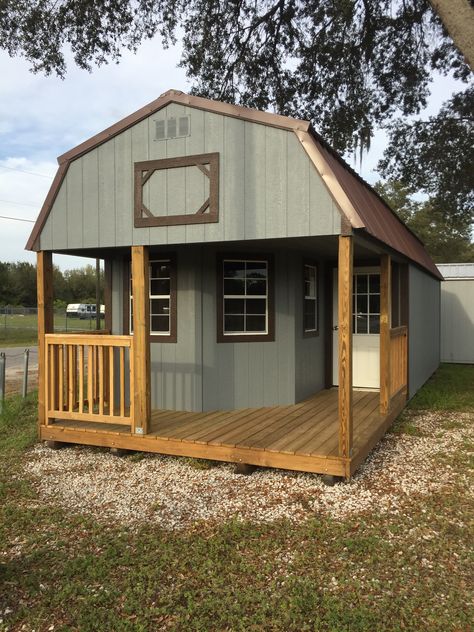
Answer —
457 321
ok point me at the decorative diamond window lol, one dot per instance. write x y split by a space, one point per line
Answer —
167 184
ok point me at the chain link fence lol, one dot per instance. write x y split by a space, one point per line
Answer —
19 325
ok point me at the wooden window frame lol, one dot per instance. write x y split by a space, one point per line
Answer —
144 171
269 335
172 336
311 333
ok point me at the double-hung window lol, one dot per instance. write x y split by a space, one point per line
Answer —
245 299
162 296
310 300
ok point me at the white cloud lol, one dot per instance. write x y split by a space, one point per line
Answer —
42 117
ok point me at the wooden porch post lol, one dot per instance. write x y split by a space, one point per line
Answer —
141 339
345 275
44 287
385 311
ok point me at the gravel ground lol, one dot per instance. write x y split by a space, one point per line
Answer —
175 494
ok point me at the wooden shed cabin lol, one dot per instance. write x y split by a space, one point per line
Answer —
263 304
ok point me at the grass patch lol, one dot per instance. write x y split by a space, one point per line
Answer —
18 423
451 387
19 329
200 464
408 570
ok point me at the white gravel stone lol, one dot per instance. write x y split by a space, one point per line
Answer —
174 494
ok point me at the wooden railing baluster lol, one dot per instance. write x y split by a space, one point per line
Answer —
81 378
81 368
122 381
111 382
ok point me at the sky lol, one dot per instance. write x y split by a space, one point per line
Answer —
43 117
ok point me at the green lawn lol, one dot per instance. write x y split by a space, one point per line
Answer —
376 572
17 329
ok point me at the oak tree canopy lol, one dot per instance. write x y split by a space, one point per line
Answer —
349 66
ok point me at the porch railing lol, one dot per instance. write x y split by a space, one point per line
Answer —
89 378
398 360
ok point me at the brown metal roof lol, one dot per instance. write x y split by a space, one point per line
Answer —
360 205
377 217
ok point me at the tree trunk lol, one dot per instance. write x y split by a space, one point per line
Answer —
457 17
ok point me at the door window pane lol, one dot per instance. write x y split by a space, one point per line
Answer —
366 303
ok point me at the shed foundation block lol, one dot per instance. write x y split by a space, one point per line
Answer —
56 445
245 469
119 451
330 480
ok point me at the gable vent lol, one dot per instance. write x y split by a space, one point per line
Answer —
172 127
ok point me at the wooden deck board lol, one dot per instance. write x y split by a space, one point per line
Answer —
313 421
302 437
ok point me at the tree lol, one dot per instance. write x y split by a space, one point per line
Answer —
81 283
346 65
436 157
456 16
445 237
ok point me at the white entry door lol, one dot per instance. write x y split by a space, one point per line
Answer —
365 329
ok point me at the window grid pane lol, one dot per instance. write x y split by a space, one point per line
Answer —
159 296
366 303
310 314
245 295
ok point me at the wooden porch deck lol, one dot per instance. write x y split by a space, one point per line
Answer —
303 437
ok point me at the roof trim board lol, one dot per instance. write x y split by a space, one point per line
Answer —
175 96
361 207
47 205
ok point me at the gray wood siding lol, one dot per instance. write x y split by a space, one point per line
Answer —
241 374
268 188
457 321
424 327
198 373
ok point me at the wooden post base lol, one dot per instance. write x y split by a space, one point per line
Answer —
245 469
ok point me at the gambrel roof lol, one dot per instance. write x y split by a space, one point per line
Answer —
362 209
